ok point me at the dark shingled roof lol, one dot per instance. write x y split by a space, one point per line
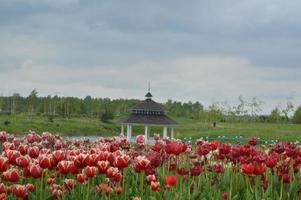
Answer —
149 105
148 119
148 95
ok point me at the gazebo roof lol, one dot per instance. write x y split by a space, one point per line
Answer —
148 112
149 105
148 119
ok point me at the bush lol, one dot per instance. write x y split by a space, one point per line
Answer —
50 118
106 115
297 116
6 122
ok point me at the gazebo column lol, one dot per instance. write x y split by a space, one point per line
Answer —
146 130
172 134
165 132
122 129
129 132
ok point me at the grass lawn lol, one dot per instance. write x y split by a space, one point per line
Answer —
267 131
186 128
73 126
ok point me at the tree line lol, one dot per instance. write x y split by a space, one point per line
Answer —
106 109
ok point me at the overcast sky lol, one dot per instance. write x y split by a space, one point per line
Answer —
207 50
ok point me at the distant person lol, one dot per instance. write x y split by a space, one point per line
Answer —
214 124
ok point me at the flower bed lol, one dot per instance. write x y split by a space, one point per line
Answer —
49 167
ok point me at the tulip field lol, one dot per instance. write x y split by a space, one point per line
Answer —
47 166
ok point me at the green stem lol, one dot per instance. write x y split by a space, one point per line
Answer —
188 193
88 189
141 182
281 189
123 184
181 188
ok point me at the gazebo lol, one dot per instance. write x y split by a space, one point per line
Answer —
148 113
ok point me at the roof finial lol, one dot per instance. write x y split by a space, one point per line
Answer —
148 95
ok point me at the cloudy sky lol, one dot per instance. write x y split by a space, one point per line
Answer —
206 50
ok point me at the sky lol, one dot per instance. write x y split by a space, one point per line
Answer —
207 50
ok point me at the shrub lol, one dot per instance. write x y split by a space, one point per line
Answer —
297 116
50 118
6 122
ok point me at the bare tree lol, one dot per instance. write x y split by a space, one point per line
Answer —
288 108
255 106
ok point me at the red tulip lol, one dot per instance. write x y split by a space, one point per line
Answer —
196 170
57 193
286 178
218 168
103 187
141 163
140 139
90 171
170 181
103 166
3 188
81 178
23 161
224 195
2 196
252 141
214 144
8 146
103 155
247 168
11 175
150 178
33 152
112 171
72 168
58 156
224 148
69 183
156 147
155 186
35 171
50 181
45 161
175 147
182 171
20 191
121 161
79 160
117 177
23 149
118 190
3 136
33 137
272 160
259 169
64 166
154 158
30 187
12 155
3 163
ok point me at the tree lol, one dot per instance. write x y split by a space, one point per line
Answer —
31 101
106 115
289 107
255 106
240 108
297 116
275 115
